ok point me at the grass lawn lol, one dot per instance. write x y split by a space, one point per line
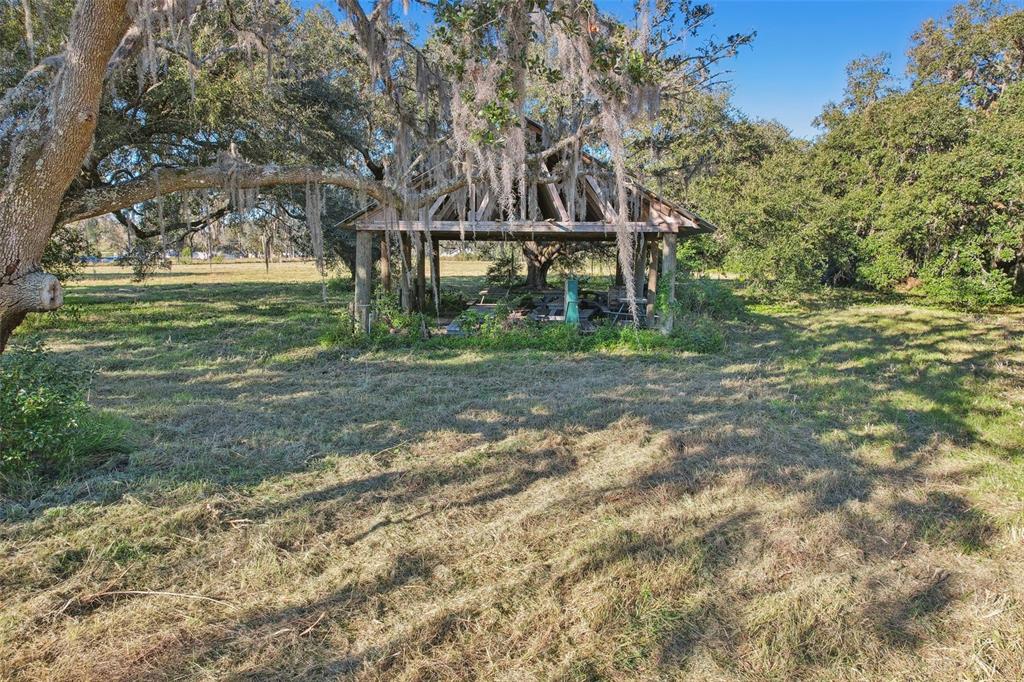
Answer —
839 494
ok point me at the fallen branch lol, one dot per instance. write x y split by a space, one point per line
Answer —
183 595
388 449
315 623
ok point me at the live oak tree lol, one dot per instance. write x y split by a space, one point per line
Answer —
167 113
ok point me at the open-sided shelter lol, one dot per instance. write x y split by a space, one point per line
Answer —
657 224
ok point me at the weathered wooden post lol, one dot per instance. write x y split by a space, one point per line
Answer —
406 283
385 261
435 270
652 283
364 268
639 266
421 272
668 273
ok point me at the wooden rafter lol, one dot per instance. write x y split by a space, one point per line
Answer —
595 193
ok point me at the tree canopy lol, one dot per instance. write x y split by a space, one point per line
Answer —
912 183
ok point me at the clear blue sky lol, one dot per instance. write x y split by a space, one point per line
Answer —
798 60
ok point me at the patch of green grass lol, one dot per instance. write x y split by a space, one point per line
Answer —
694 334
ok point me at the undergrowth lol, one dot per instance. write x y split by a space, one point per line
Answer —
706 297
700 304
47 428
692 334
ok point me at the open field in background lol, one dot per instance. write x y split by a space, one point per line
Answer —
288 272
837 495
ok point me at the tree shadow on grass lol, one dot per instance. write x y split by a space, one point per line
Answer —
849 366
824 417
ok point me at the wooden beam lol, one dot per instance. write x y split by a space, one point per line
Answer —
661 214
436 205
591 186
364 269
421 272
539 227
486 210
556 200
652 281
406 283
668 272
435 272
385 260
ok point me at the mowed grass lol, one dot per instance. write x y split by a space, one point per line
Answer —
837 495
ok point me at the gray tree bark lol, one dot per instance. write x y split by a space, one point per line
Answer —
46 155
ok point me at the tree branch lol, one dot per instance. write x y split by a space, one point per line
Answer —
184 227
97 201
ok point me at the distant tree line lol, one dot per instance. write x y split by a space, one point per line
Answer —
912 184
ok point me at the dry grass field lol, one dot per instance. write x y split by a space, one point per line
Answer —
837 495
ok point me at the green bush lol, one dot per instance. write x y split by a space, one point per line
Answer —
144 258
701 296
700 253
388 316
504 268
961 281
695 334
452 301
64 253
883 265
341 331
47 428
391 325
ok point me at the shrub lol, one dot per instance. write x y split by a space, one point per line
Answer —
341 331
144 259
452 301
699 253
883 264
389 318
65 253
339 284
690 333
391 326
960 280
46 426
701 296
504 268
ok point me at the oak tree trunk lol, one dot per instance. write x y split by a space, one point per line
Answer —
539 259
47 155
537 275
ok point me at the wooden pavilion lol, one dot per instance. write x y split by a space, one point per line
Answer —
657 223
